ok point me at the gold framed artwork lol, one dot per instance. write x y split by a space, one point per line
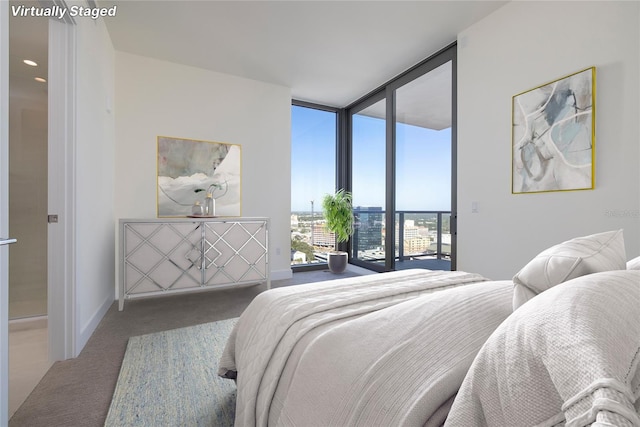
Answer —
553 135
188 170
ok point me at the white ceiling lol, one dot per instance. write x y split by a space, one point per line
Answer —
28 39
327 52
424 102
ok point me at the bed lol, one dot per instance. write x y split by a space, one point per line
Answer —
427 348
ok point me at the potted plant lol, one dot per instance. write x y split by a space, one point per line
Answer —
338 212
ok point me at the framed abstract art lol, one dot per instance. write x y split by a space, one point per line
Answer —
188 169
553 135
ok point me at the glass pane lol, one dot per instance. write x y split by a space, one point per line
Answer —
368 183
423 171
28 153
313 172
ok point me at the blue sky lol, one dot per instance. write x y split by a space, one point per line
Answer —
423 159
313 157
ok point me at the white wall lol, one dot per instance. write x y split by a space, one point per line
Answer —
94 177
157 98
521 46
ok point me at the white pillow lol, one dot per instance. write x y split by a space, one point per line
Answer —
634 264
568 260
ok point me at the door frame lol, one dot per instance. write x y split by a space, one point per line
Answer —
4 212
61 239
388 92
61 253
347 170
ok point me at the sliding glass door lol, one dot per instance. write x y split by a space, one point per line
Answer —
423 161
402 142
368 166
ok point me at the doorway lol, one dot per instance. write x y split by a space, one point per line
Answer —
28 194
402 147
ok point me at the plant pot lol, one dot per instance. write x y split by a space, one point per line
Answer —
337 261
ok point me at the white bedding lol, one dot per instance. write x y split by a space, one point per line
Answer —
569 356
379 350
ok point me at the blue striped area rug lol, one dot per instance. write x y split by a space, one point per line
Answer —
170 379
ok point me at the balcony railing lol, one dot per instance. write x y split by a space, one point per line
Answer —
439 252
370 232
369 228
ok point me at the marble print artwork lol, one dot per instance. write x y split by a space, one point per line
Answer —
188 168
553 135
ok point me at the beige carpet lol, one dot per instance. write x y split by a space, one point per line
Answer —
78 392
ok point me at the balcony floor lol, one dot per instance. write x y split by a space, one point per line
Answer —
427 263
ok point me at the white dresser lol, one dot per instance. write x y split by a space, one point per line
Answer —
171 255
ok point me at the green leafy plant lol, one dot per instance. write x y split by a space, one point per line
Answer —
338 211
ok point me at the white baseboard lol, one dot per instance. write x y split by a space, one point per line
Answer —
282 274
25 323
90 327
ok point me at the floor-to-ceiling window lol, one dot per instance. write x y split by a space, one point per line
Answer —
396 154
313 174
402 170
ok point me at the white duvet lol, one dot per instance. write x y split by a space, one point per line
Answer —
569 357
378 350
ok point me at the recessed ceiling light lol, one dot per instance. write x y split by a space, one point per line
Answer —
40 79
30 62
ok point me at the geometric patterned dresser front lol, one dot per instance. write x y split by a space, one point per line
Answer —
178 255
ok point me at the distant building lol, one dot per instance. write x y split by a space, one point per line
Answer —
322 236
369 222
424 232
413 239
298 257
409 232
416 245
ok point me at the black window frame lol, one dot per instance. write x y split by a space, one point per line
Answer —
344 147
